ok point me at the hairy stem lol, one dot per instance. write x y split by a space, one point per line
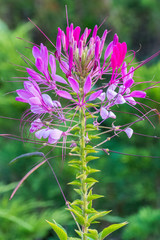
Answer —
83 171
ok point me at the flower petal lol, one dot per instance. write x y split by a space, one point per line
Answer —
108 51
95 95
130 100
111 115
39 64
111 94
129 83
87 85
47 100
138 94
39 134
102 96
24 94
58 78
104 113
36 125
120 99
64 94
34 101
129 132
52 63
74 84
35 52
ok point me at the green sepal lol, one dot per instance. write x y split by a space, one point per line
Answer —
92 234
98 215
94 196
75 182
110 229
90 158
59 230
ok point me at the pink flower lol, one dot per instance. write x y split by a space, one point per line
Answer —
53 135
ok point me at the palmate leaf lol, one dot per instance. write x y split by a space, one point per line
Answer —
59 230
110 229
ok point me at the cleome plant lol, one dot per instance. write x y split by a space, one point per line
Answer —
69 112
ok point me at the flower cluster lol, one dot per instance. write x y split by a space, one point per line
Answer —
83 64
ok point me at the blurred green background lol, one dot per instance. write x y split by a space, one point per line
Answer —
131 185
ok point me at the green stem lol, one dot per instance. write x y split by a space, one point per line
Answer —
83 171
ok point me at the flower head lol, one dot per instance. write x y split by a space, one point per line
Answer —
79 56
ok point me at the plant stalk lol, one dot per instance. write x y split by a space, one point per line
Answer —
83 171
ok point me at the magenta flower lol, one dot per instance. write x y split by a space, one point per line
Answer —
92 92
79 56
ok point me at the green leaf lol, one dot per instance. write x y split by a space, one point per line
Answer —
90 180
94 196
89 185
71 238
90 158
92 170
75 149
90 127
80 219
90 149
74 166
75 182
111 229
93 137
59 230
77 202
78 191
91 210
93 234
75 128
78 232
98 215
78 209
75 161
91 116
